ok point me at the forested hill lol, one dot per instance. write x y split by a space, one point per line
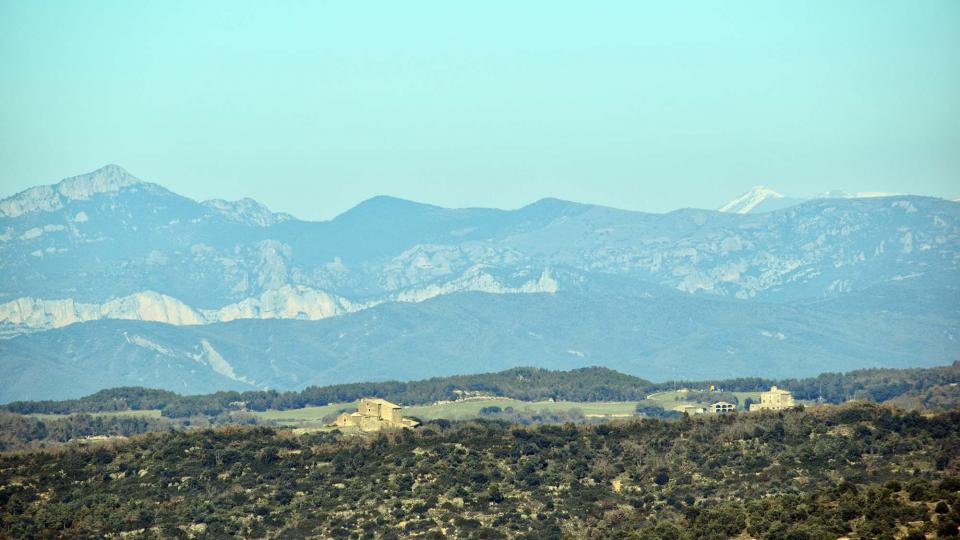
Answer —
877 385
530 384
854 470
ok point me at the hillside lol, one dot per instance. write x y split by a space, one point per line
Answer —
856 470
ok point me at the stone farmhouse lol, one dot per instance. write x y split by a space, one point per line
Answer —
375 414
774 400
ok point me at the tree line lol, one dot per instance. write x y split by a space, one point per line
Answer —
20 431
524 383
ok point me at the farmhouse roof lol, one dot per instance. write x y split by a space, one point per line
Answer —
385 403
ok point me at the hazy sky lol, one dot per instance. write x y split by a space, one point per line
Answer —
311 107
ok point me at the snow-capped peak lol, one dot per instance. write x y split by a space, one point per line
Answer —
750 200
106 179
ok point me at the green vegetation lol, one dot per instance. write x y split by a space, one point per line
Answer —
146 413
473 408
113 399
305 417
28 431
671 398
856 470
876 385
526 384
938 397
126 411
524 412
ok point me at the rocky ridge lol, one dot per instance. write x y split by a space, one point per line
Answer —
107 245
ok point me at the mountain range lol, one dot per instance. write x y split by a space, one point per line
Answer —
108 280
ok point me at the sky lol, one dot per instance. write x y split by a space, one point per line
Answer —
312 107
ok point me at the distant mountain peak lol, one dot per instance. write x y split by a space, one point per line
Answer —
750 200
386 200
548 209
106 179
112 170
551 202
384 206
103 180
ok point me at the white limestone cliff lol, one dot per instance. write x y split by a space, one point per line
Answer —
476 280
286 302
41 314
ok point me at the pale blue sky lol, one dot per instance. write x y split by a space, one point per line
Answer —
311 107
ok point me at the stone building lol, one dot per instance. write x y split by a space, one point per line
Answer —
774 400
373 415
722 407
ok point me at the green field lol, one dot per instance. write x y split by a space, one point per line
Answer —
471 408
151 413
305 417
312 417
671 399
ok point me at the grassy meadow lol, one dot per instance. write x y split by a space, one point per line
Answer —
671 399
